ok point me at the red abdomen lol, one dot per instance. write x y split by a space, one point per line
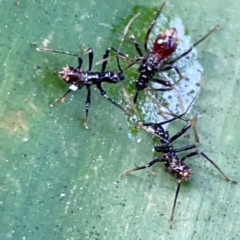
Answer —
165 44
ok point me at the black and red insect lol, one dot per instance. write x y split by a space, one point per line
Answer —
155 59
78 78
174 164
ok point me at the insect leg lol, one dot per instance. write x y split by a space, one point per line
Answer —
87 104
62 97
104 94
174 203
152 25
90 56
140 168
195 44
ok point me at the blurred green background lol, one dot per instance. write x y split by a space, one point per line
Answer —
61 181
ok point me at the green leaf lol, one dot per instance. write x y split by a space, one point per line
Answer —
60 180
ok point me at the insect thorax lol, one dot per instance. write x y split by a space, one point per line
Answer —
148 68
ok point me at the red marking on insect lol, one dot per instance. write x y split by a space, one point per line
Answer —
165 44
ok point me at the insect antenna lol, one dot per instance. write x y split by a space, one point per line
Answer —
124 34
55 51
152 25
118 52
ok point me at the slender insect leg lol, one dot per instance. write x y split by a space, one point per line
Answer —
140 168
174 203
131 64
160 89
176 117
163 82
182 149
123 55
88 103
152 25
170 66
193 121
135 97
90 56
197 152
137 46
118 62
189 155
180 133
161 148
124 34
195 44
165 122
181 102
217 167
105 56
104 94
80 61
177 135
119 53
171 87
186 148
62 97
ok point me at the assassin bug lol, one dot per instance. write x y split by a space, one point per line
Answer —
174 164
79 78
156 58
